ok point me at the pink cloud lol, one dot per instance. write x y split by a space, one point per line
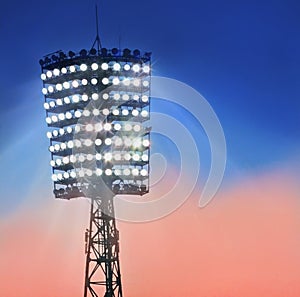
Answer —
245 243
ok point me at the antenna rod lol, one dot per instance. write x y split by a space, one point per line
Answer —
97 40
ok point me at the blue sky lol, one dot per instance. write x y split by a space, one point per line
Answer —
242 56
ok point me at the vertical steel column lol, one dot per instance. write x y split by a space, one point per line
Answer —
102 275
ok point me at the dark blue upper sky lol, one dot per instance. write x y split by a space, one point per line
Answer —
242 56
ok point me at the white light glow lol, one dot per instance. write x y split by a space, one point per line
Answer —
117 127
104 66
68 115
117 172
66 160
94 81
66 85
105 111
49 74
77 113
107 126
107 141
63 146
56 72
116 81
64 70
145 98
43 76
136 68
144 113
135 112
125 97
146 69
144 172
94 66
84 97
84 82
54 177
125 112
127 67
81 158
117 67
88 142
61 116
117 96
83 67
95 96
126 171
98 172
44 91
89 128
145 158
136 82
105 81
67 100
108 157
98 142
146 83
105 96
127 127
127 157
116 112
136 128
126 82
54 119
50 89
98 127
98 157
146 143
89 157
96 112
75 99
86 113
136 157
46 105
72 68
75 84
70 144
108 172
135 172
59 102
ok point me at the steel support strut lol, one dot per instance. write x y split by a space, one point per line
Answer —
102 275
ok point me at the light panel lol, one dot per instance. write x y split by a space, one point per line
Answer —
110 95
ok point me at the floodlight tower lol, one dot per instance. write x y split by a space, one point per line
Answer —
97 106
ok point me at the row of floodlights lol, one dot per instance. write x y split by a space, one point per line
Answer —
136 82
117 141
108 157
96 112
98 172
96 127
60 56
95 66
95 96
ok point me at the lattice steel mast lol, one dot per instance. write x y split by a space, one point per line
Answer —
97 105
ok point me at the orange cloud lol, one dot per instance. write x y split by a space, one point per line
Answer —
245 243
